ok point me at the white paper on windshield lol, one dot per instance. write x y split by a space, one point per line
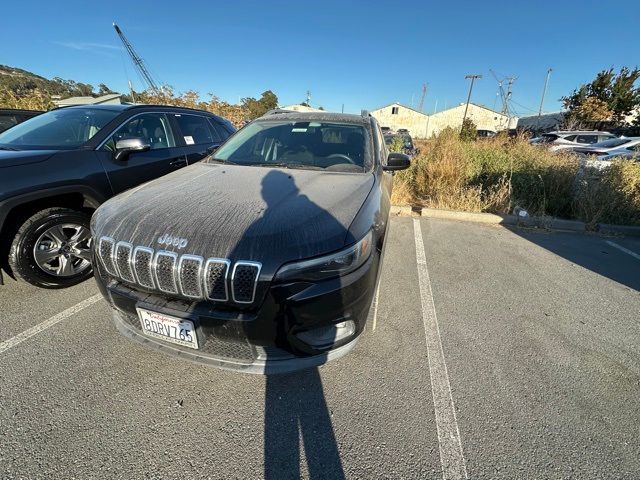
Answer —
188 140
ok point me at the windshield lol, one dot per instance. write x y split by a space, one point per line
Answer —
58 129
614 142
307 145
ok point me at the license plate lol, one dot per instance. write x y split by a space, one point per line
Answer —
165 327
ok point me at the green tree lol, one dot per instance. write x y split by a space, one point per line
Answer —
256 108
609 97
469 130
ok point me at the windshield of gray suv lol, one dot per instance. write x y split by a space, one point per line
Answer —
58 129
294 144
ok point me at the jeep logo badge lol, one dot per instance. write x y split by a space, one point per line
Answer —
169 240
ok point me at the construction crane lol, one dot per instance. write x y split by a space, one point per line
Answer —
137 62
424 94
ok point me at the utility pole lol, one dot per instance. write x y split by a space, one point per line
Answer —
343 108
473 79
308 98
424 94
544 91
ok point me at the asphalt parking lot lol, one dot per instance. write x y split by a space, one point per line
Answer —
491 353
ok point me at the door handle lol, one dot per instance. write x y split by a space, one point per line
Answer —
180 162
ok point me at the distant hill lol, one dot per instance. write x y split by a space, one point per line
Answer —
21 82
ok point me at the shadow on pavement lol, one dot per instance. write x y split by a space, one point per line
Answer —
590 252
295 407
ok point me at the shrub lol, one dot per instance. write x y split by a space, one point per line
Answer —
496 175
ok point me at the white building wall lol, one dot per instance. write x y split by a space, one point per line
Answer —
408 118
421 125
483 118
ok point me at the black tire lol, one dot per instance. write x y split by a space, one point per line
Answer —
22 259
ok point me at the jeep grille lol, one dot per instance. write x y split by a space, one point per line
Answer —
186 275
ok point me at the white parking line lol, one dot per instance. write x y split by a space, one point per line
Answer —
375 306
622 249
21 337
451 456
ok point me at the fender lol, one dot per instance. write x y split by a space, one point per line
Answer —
91 197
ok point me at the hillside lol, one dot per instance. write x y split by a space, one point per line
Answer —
20 82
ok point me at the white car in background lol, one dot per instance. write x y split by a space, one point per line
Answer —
611 148
564 139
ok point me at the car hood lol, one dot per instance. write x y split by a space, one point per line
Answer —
268 215
10 158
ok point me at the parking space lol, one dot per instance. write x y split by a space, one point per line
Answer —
535 333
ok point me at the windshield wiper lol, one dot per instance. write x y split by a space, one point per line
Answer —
3 147
219 160
288 165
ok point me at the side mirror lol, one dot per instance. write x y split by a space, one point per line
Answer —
397 161
127 146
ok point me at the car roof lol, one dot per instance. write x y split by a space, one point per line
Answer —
290 115
576 132
121 107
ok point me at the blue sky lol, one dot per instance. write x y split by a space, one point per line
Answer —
362 54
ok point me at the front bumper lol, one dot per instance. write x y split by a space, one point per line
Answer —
270 338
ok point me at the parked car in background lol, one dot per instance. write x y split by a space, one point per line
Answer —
56 168
407 142
611 148
481 134
563 139
403 131
386 130
11 116
265 257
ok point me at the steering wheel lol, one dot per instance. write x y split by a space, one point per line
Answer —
343 156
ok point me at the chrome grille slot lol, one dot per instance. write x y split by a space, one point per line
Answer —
215 279
189 278
105 252
143 266
165 269
123 261
244 281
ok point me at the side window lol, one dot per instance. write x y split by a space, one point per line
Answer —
195 129
151 127
7 121
571 138
602 138
218 130
587 139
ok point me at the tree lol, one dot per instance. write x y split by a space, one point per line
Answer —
469 130
256 108
610 97
104 90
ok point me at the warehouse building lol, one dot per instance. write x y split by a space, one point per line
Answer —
421 125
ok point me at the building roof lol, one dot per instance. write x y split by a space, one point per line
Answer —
394 104
484 107
88 100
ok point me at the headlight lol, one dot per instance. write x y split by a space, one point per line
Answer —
333 265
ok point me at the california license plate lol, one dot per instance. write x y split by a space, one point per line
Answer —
166 327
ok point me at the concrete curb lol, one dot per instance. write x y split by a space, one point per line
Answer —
548 223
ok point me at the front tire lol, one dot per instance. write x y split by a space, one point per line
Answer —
52 249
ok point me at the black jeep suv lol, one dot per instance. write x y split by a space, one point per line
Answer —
262 258
56 168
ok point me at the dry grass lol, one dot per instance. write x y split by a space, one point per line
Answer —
496 175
